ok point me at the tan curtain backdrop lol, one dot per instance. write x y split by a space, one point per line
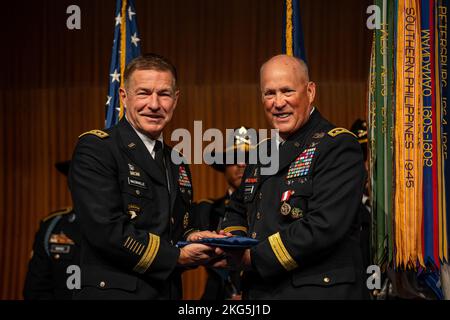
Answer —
53 87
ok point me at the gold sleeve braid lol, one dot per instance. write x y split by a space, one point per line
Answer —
235 228
149 254
281 252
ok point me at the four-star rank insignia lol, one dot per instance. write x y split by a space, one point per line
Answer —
183 179
300 167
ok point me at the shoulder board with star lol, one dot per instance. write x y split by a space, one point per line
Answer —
99 133
58 213
337 131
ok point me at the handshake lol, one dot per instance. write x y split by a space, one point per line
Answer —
195 253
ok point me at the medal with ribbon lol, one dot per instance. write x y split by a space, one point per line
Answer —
285 207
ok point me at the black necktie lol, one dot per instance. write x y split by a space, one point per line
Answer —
159 158
159 154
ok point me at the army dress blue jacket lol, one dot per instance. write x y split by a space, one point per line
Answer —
56 247
130 222
306 217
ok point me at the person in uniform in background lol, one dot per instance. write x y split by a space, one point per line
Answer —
56 247
133 199
359 128
224 284
306 215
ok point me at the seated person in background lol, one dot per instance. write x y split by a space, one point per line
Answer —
359 128
56 247
223 284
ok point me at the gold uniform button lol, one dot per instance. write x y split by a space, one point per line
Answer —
57 256
102 284
326 280
258 215
254 235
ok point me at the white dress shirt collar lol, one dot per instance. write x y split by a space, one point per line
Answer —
148 142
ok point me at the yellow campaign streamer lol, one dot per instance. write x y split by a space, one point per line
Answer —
289 50
408 133
123 45
441 75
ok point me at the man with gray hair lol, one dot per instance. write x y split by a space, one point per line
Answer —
305 216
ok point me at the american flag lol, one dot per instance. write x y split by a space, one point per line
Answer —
125 48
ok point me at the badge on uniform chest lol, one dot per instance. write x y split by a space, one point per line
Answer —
249 186
286 209
250 183
60 243
60 238
285 206
183 178
248 189
133 171
252 180
133 210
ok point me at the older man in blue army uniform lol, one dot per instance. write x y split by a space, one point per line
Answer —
56 247
305 216
133 200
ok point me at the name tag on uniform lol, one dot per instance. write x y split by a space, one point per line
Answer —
137 183
251 180
59 248
249 189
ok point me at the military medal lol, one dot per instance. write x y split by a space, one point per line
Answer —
285 207
296 213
